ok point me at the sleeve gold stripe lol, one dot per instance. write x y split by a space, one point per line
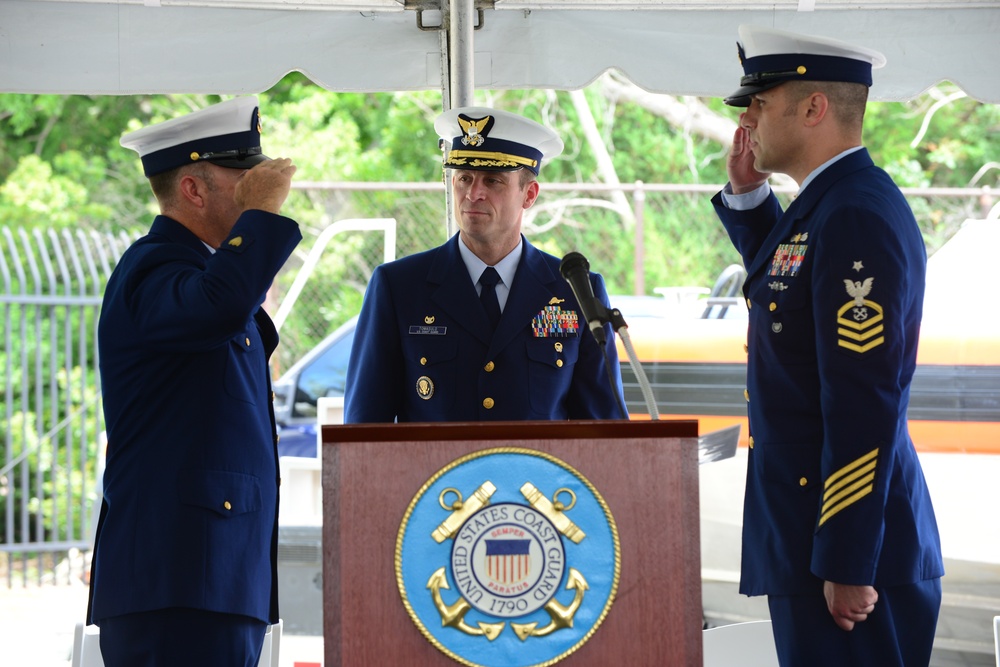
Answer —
860 336
850 468
861 348
846 503
833 488
831 500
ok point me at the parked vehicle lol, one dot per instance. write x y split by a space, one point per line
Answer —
322 372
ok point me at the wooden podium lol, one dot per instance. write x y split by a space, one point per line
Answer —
646 471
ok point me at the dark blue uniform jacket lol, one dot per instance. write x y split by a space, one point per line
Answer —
835 289
423 350
189 517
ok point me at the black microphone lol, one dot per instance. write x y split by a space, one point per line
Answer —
575 269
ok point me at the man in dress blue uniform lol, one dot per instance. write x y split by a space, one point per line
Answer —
184 569
426 348
838 527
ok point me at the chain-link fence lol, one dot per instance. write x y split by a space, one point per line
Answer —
638 236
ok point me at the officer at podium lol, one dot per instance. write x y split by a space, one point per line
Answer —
482 328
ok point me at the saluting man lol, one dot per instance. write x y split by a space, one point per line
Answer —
184 569
482 327
838 527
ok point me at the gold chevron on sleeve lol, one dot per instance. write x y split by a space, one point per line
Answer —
848 485
860 335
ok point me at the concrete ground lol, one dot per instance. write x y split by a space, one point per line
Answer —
37 624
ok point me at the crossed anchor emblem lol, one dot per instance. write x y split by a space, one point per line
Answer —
560 615
453 616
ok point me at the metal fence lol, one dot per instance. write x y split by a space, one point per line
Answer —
636 234
52 288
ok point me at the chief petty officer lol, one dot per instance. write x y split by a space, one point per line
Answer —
838 527
428 348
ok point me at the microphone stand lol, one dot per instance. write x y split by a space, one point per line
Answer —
621 328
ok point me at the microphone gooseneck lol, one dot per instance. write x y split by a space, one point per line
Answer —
575 268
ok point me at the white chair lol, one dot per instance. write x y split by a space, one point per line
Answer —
748 644
996 637
272 644
87 646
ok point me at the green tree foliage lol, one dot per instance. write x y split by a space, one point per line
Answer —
62 168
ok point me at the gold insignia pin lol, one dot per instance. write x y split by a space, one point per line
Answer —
236 241
195 156
429 319
559 347
554 300
425 387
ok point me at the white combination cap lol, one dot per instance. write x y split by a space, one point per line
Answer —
226 134
771 57
490 139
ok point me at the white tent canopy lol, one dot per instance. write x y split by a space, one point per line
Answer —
673 46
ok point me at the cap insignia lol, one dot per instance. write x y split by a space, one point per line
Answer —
474 129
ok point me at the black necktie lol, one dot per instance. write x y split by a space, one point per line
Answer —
488 295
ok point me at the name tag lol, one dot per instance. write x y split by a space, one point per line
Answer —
425 330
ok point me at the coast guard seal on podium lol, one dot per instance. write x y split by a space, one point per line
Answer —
508 557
